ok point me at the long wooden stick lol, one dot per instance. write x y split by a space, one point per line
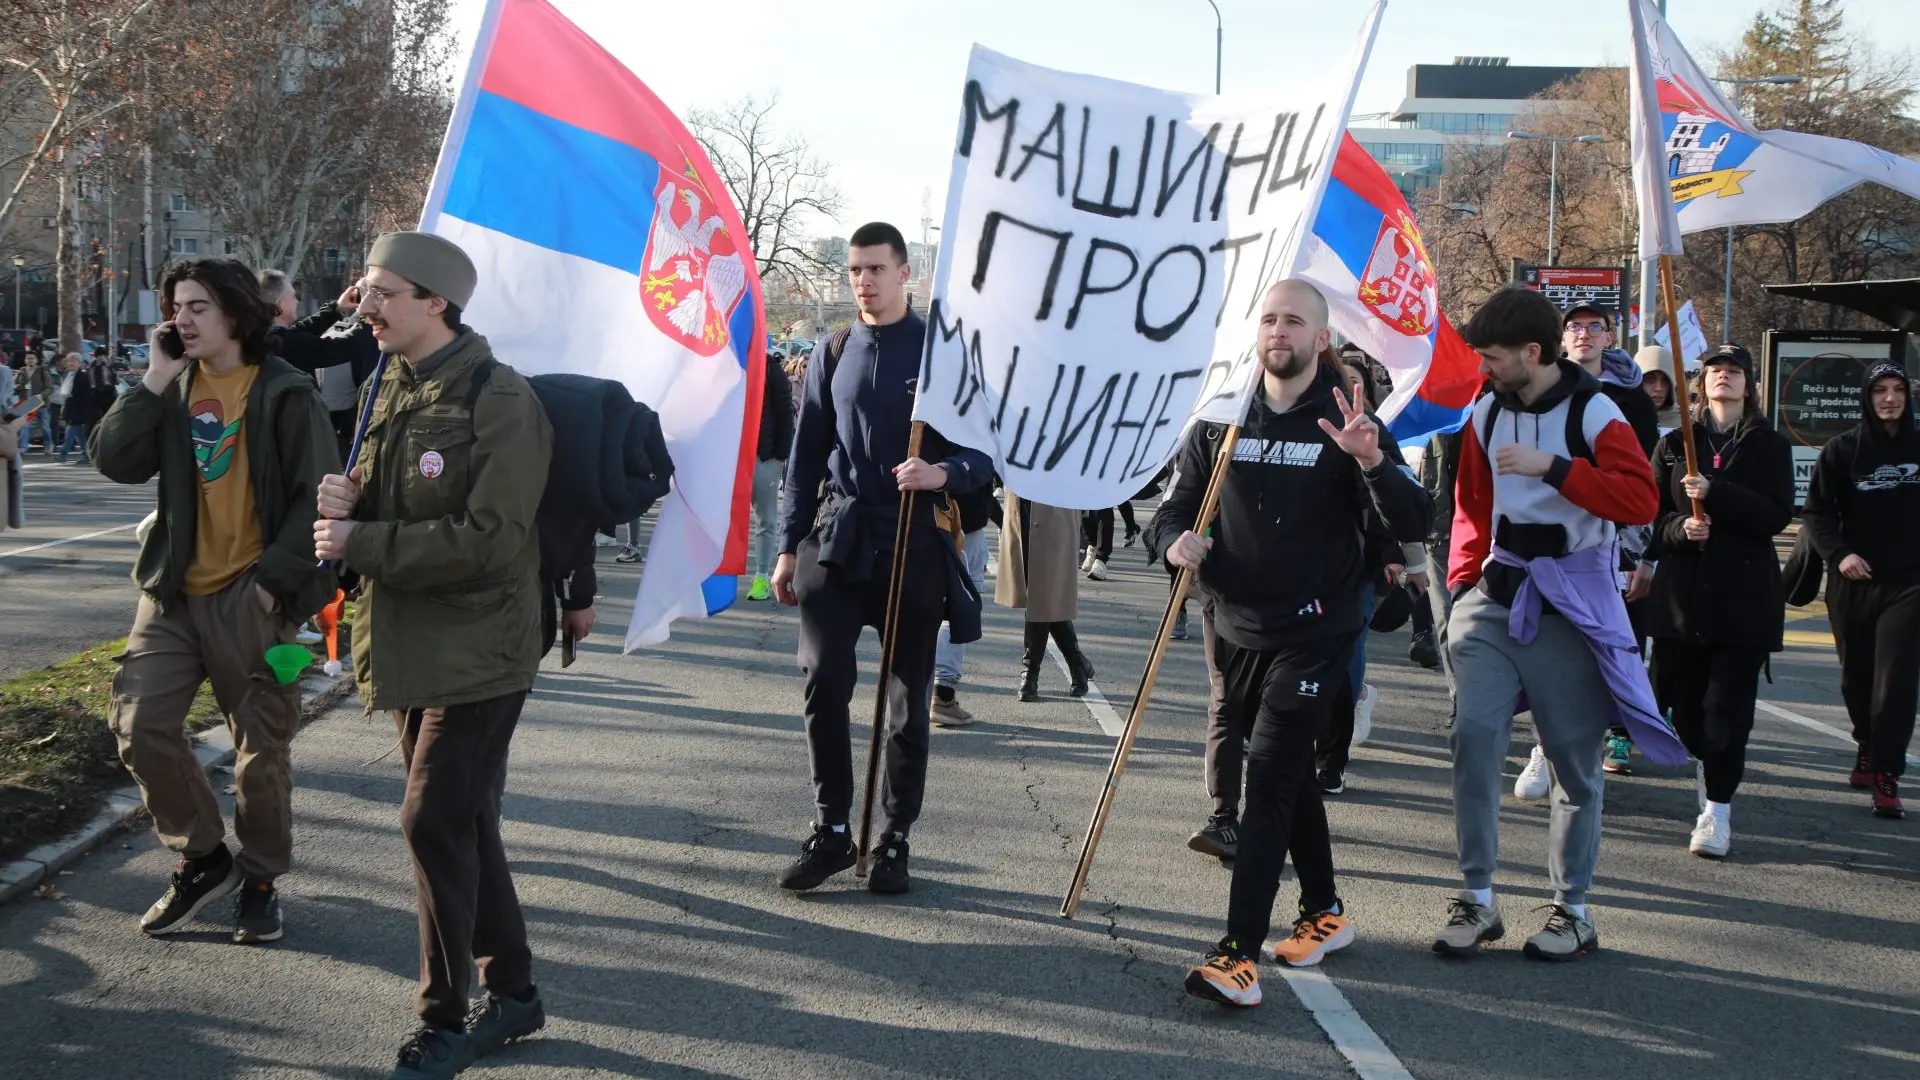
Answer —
1138 713
889 634
1679 372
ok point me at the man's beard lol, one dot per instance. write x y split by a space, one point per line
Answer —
1287 365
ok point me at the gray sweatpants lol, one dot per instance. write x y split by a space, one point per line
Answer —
1571 710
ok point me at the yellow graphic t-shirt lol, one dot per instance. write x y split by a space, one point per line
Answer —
227 540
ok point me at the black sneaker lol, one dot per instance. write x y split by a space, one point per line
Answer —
498 1019
1220 838
197 883
1423 651
433 1053
888 874
822 855
1331 781
256 913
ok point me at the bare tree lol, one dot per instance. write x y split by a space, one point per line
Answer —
776 180
62 70
306 114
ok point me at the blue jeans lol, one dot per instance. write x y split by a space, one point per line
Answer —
76 436
948 657
42 420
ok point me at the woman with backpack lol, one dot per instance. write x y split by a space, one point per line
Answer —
1717 606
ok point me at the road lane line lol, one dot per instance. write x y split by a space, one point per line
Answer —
1095 701
1811 724
1356 1040
68 540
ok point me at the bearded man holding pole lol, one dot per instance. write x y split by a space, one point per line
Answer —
1282 571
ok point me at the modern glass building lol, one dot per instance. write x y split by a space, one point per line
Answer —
1473 99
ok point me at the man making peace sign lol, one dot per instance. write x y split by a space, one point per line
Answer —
1282 572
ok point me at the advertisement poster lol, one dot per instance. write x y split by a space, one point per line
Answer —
1813 382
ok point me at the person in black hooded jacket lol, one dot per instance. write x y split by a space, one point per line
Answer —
1717 607
1863 507
1282 572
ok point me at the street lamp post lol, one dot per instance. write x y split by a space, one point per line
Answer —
19 270
1726 303
1553 178
1219 43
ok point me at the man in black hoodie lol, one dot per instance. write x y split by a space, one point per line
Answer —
1863 508
1282 572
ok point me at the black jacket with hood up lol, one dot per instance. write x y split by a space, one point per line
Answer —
1864 498
1288 562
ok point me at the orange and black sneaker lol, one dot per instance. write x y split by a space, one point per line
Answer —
1315 935
1229 976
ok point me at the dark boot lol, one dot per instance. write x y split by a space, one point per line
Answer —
1079 668
1031 659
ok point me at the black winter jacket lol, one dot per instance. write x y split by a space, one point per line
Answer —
776 413
1288 561
1729 592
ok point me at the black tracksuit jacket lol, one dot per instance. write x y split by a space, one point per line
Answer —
1288 562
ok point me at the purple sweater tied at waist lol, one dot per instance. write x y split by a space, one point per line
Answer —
1584 589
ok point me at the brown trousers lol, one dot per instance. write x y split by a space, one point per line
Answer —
456 772
223 638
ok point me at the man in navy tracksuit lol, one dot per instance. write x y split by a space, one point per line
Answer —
1282 573
844 479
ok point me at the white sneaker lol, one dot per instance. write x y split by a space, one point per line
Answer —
1534 781
1098 571
1363 715
1093 556
1712 836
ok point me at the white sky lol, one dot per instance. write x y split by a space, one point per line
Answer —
876 86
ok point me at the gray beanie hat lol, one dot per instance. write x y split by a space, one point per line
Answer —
431 262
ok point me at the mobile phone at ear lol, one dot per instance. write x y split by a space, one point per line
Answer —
171 343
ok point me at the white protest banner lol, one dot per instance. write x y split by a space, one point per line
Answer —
1106 248
1693 337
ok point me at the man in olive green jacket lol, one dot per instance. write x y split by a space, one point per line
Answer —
240 442
438 521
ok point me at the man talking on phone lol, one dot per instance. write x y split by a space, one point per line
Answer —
239 441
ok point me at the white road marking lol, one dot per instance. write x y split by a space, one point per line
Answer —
1351 1035
1811 724
68 540
1095 701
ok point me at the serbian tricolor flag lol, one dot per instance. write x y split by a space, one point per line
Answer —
1367 257
608 246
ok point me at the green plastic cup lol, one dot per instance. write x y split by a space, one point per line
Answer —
288 661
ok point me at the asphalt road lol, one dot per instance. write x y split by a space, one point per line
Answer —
652 798
64 579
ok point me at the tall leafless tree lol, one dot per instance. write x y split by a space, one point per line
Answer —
779 184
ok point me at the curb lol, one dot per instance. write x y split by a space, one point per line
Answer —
214 748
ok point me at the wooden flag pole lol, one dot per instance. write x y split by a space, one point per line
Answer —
1680 373
889 633
1138 713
